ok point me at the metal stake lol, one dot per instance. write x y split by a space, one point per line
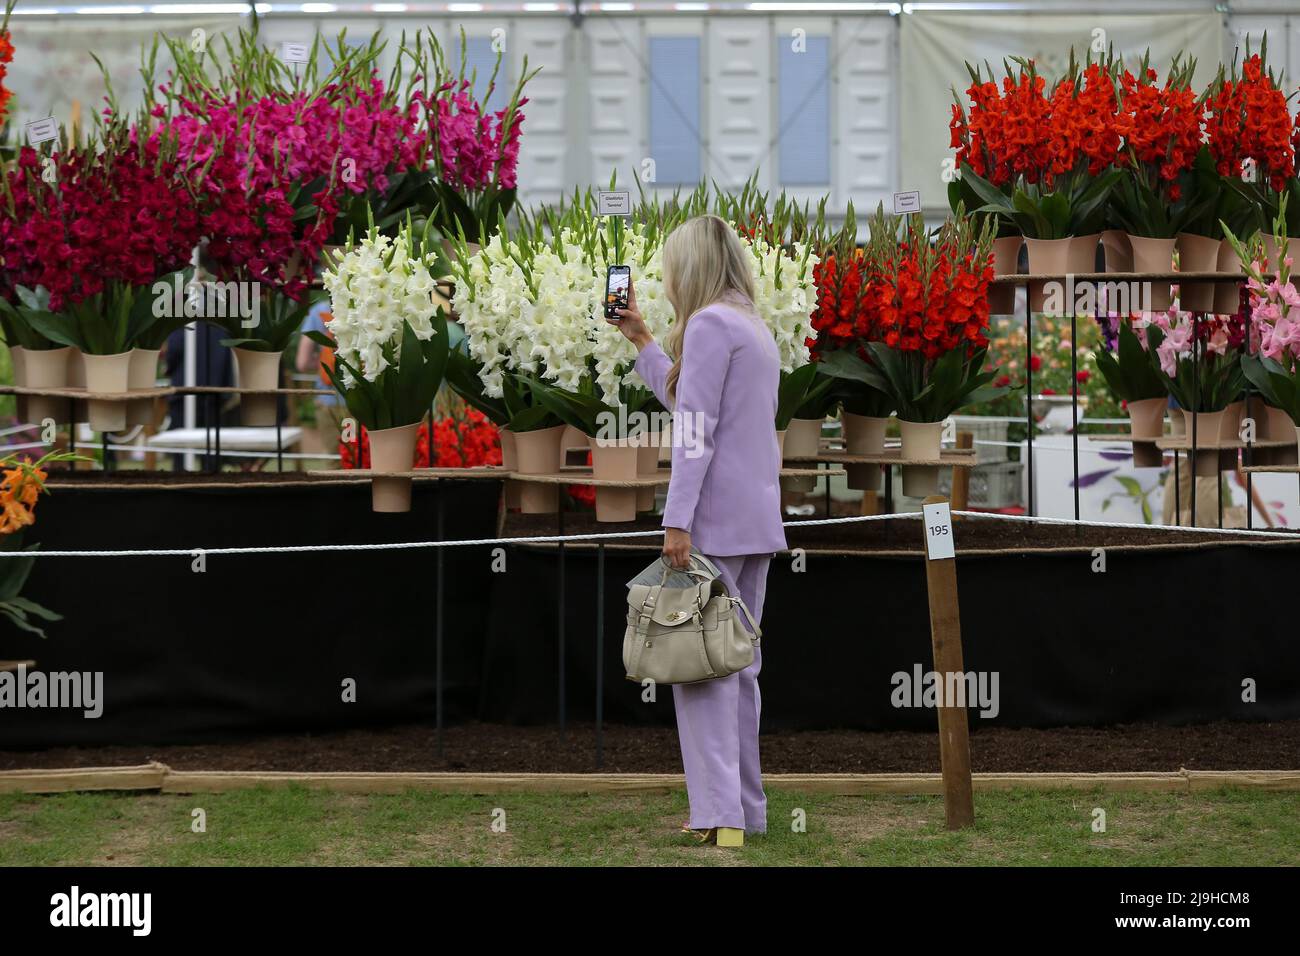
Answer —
600 654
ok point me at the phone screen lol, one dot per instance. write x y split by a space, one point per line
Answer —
616 285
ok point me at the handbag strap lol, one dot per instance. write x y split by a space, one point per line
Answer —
753 625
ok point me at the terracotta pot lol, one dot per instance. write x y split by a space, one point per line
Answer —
1278 425
1083 253
47 368
1006 262
509 462
392 450
1050 257
1208 426
1197 254
76 373
538 453
110 374
577 441
615 504
647 466
863 435
16 354
615 462
920 481
1147 418
802 440
1146 425
143 374
76 379
258 370
1119 253
921 440
1230 425
1227 295
42 368
1154 255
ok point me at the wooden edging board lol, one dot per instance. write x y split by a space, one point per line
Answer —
159 777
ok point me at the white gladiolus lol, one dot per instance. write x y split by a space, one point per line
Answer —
374 289
787 311
493 306
546 317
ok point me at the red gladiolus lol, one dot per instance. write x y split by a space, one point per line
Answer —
1247 119
463 440
118 216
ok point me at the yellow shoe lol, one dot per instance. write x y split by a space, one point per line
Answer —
730 836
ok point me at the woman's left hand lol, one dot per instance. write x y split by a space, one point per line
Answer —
677 547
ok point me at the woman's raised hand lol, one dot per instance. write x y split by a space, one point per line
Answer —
631 323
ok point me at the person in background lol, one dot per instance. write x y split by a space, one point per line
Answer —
719 374
313 358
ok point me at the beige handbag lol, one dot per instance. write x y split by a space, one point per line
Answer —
682 625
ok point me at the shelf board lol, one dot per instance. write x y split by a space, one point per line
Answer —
949 458
1024 279
576 477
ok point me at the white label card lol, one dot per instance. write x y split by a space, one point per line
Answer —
907 202
291 52
614 202
42 130
938 531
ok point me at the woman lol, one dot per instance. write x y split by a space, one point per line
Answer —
724 497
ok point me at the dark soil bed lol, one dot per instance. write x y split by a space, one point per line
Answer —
904 535
499 748
133 477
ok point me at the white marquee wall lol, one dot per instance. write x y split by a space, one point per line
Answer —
592 105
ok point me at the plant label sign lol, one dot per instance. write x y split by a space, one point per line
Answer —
42 131
291 52
938 531
614 202
907 202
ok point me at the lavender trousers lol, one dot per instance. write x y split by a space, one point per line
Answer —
717 722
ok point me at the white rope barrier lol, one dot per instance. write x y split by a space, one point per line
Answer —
1026 519
606 536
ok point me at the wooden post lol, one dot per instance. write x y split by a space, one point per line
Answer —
961 476
945 640
870 503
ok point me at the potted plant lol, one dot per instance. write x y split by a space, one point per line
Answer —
1161 126
1207 201
38 361
22 482
927 353
80 279
391 346
1133 380
470 150
1054 172
1199 361
495 299
1273 366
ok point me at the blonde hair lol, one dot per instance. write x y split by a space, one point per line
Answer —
704 263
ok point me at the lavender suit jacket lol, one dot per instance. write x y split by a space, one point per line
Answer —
725 488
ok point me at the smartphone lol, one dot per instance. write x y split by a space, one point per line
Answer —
617 281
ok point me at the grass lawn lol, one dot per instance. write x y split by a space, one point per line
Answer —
271 826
